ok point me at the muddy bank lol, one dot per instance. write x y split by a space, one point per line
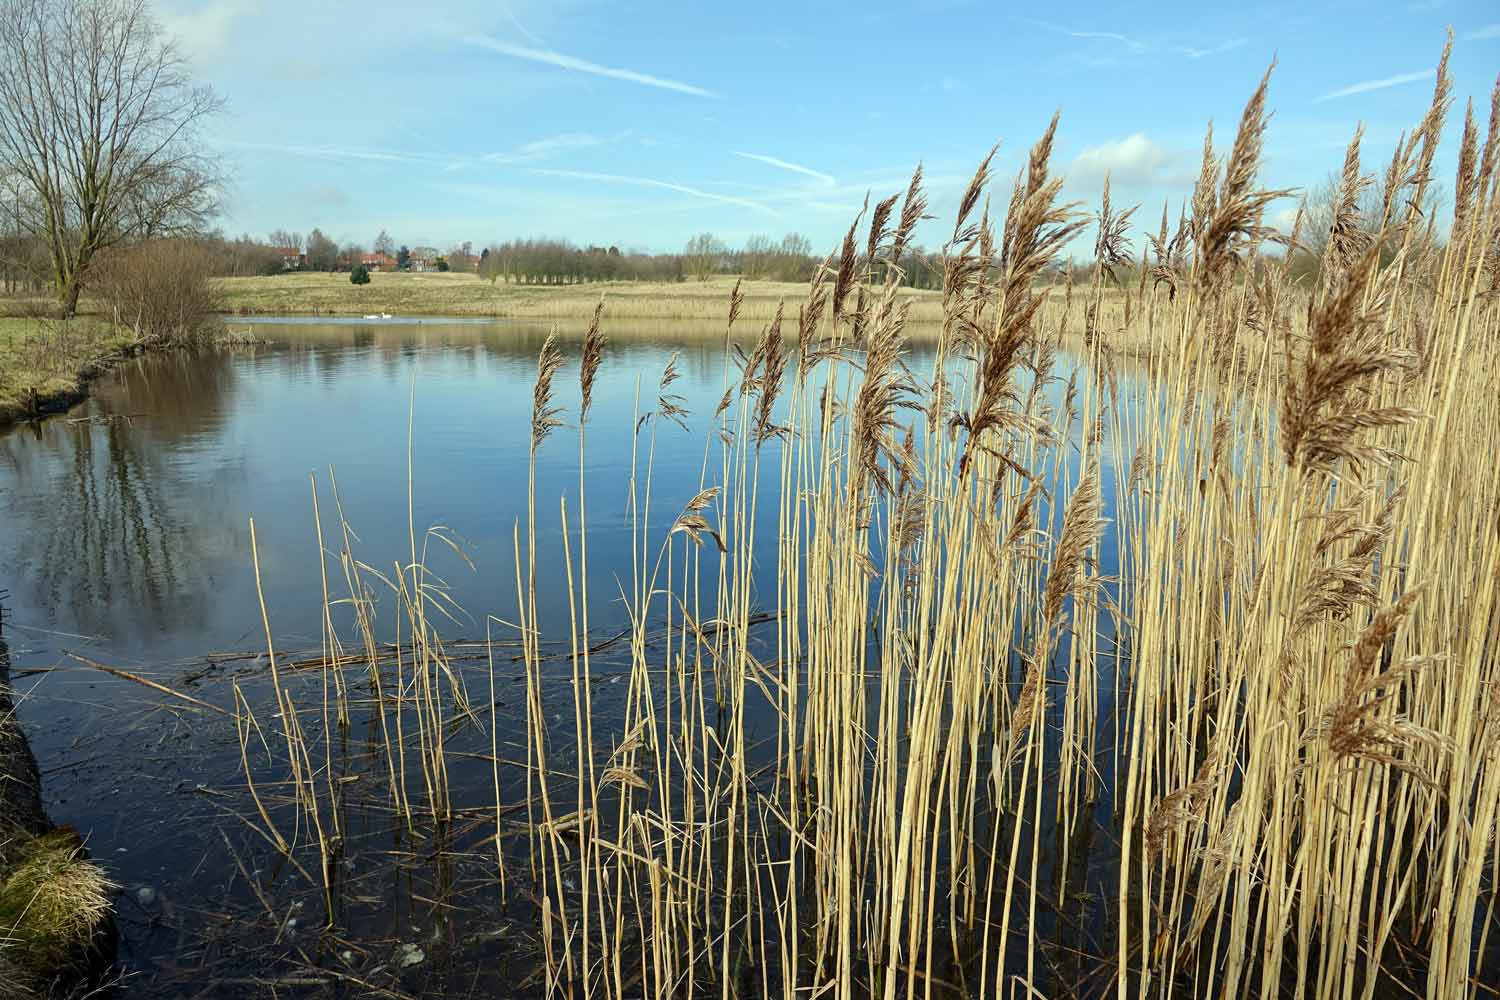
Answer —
57 931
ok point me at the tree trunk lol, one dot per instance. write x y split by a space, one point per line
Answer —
69 297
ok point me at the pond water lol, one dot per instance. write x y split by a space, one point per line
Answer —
126 541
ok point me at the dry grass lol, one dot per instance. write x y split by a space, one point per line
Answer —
686 311
447 294
1302 771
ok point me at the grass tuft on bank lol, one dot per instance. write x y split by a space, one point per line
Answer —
53 909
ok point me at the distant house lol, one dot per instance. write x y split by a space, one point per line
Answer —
378 262
422 259
292 259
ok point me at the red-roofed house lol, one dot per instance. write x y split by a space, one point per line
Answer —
378 261
292 259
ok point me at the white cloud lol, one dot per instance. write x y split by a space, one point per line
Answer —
1226 46
795 168
651 182
516 23
542 149
1109 36
1365 86
1284 218
550 58
204 33
1485 33
528 152
344 153
1135 159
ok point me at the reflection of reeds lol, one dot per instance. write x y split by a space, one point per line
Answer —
1298 741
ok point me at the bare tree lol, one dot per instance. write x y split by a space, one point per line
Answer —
322 252
384 244
704 254
99 117
1370 202
759 257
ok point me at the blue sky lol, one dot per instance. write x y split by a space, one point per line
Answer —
641 124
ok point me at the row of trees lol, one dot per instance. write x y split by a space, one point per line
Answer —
546 261
554 261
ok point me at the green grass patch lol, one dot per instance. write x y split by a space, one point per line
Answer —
44 360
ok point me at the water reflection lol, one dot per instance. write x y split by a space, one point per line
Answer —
127 520
102 534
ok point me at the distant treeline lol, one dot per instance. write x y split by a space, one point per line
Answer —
559 262
550 261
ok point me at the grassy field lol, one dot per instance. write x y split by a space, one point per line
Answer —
46 363
469 295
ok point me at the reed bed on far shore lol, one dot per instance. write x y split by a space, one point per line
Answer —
1067 688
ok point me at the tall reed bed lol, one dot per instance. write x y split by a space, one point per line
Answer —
1063 687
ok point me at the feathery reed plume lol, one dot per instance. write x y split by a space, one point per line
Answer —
692 522
1392 182
1491 152
1206 188
1167 251
1346 239
887 388
593 354
737 300
543 413
1186 805
913 211
1112 245
977 183
1466 180
1294 244
1235 219
773 362
848 261
1318 421
1036 229
1430 132
880 221
669 404
1082 523
1353 726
